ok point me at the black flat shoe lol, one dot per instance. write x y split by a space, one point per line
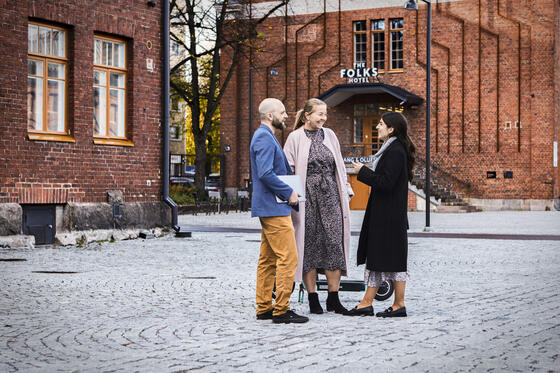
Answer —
401 312
366 311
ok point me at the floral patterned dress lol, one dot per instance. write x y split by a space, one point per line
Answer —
323 248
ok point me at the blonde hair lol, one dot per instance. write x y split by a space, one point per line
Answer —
308 108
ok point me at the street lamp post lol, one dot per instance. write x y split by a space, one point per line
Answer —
411 5
250 186
250 107
251 68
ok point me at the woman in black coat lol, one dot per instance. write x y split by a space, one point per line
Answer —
383 244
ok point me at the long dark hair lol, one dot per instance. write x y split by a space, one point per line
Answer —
399 124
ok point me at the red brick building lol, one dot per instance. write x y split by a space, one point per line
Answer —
80 110
494 97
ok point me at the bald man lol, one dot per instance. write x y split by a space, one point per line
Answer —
278 253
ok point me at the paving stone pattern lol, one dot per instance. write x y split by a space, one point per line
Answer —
174 305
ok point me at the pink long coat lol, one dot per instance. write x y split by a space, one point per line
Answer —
297 151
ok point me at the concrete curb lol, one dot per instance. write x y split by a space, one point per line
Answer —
19 241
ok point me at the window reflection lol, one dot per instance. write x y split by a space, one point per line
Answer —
109 88
46 78
55 106
358 130
34 103
397 55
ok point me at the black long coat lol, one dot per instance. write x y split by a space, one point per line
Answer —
383 244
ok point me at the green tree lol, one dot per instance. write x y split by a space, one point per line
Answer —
213 136
209 30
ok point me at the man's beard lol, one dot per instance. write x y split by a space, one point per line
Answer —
278 124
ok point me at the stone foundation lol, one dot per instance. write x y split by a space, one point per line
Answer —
512 204
88 216
10 219
91 216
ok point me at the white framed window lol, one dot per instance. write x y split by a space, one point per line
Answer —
175 48
175 133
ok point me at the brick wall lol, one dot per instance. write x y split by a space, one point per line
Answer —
557 96
492 65
411 202
60 172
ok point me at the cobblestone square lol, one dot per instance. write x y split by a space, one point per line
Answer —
179 304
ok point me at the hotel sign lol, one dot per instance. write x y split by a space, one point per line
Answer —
359 74
363 159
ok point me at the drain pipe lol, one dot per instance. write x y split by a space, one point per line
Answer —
165 99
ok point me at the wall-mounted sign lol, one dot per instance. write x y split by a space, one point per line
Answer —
359 74
364 159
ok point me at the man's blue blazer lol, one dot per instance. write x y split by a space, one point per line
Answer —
267 161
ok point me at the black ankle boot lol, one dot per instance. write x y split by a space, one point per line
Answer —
333 303
314 305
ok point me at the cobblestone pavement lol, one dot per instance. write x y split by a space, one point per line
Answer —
179 304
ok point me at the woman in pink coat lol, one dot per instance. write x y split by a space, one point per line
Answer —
322 224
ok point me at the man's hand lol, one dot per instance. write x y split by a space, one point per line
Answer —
357 166
293 200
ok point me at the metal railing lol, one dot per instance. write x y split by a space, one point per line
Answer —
443 184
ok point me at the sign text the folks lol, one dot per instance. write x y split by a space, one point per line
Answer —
359 74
